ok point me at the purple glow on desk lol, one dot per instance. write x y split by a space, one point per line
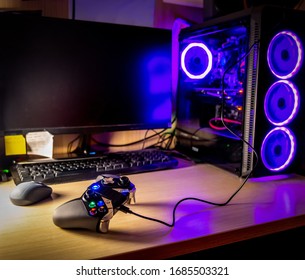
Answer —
271 178
283 205
193 218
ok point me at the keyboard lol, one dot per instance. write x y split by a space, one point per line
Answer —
80 169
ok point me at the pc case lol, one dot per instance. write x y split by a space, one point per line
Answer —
241 89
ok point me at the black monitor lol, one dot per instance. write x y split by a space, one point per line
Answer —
73 76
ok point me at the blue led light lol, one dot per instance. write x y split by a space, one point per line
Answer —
285 54
278 149
100 203
282 103
196 60
95 187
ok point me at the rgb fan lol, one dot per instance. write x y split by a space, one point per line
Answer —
196 60
278 149
285 55
281 102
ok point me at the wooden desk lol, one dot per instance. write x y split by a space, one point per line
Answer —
260 208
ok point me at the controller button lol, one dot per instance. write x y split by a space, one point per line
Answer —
101 209
95 187
93 212
92 204
100 203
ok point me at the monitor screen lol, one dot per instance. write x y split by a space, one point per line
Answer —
65 76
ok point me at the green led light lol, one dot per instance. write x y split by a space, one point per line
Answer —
92 204
5 171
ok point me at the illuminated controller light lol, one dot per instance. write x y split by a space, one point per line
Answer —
282 102
92 204
95 187
196 60
285 55
93 211
125 192
278 149
100 203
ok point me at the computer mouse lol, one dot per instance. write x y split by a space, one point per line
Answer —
27 193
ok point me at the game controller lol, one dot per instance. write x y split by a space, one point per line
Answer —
98 204
121 184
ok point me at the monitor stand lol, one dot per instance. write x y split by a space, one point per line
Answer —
83 149
84 146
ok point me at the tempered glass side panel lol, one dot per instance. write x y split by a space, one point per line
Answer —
211 94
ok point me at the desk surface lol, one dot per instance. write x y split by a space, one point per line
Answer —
263 206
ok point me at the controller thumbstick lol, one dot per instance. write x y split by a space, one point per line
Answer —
124 181
88 194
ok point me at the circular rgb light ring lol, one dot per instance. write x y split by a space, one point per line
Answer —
196 60
278 149
285 55
281 103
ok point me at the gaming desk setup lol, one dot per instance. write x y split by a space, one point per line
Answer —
238 108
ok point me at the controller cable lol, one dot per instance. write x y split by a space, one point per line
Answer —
127 210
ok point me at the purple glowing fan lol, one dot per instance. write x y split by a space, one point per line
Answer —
196 60
285 55
278 149
282 102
